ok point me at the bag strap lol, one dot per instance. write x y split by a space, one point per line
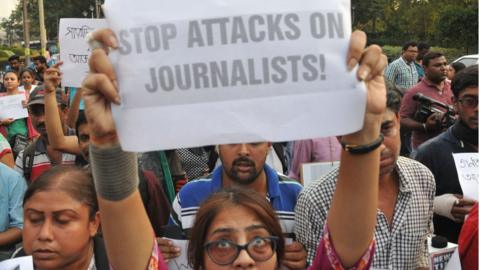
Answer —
27 159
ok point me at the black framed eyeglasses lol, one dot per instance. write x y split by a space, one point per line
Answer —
225 252
469 102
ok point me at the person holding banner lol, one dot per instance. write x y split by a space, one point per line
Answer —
450 206
351 220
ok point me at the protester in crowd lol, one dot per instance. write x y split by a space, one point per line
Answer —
405 203
61 221
14 63
314 150
453 69
40 66
6 155
402 72
12 188
27 77
39 153
435 86
436 154
115 173
423 49
468 241
18 131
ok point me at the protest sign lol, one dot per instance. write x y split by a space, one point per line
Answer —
312 172
11 107
20 263
467 170
180 262
229 72
74 51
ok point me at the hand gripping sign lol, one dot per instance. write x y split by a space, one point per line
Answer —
207 72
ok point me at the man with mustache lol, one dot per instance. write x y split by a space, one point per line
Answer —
242 165
405 203
434 85
39 154
436 154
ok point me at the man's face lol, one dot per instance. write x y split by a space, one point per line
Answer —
390 148
410 54
467 106
37 115
39 66
84 139
243 163
15 64
437 69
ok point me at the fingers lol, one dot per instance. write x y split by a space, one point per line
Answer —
295 256
100 63
106 37
169 251
99 83
465 202
358 40
368 63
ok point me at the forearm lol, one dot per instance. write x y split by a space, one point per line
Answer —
352 216
10 236
74 108
126 227
410 124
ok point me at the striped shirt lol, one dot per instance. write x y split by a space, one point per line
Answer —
282 194
41 161
402 75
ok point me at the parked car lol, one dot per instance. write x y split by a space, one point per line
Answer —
468 60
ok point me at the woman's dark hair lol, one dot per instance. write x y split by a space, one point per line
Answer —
75 181
457 66
225 199
32 73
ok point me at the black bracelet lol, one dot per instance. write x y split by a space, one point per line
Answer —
363 149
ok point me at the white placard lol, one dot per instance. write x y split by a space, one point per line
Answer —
314 171
467 170
11 107
181 262
232 71
20 263
74 50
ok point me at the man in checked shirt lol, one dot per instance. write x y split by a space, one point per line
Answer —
405 203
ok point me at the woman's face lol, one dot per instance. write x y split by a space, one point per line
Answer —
450 73
27 78
11 81
57 231
240 226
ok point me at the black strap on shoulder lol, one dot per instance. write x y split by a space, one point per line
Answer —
27 159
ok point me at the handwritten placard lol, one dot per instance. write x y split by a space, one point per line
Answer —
181 262
467 170
232 71
11 107
74 51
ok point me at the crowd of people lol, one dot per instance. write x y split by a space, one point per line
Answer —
73 199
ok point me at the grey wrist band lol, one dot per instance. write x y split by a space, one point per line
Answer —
115 172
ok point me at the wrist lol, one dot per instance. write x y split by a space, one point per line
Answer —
105 140
369 132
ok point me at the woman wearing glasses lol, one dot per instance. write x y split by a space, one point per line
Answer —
234 237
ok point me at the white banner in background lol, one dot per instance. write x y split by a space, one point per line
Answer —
232 71
74 51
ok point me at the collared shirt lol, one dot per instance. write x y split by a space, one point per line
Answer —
401 74
281 193
403 245
12 186
41 161
409 106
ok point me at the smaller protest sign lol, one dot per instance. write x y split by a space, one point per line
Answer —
74 50
181 262
314 171
21 263
467 170
11 107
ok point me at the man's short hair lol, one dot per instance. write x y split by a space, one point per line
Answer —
394 99
468 77
40 58
429 56
423 46
13 57
408 44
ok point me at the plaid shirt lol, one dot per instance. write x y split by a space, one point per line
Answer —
401 74
404 246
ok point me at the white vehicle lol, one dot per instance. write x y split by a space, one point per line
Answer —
468 60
